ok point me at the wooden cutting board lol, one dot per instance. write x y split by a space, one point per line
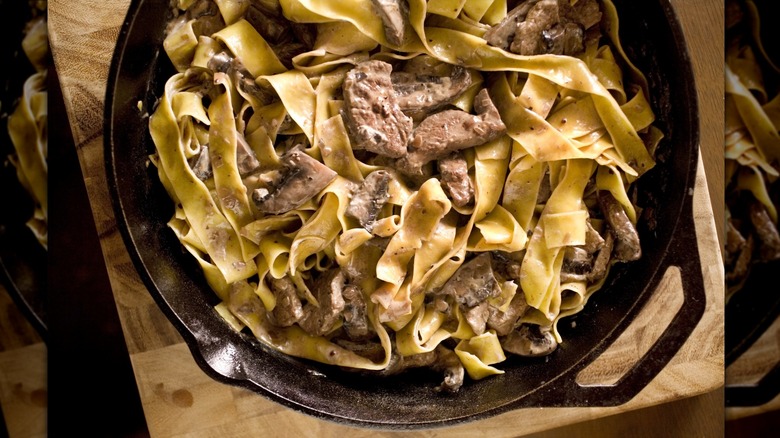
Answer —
179 398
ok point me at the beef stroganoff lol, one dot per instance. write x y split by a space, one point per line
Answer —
388 184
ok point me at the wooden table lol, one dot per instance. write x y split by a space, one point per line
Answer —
180 399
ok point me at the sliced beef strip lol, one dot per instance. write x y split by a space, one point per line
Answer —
766 232
368 199
356 323
322 319
301 178
452 130
288 309
505 322
537 27
473 282
395 18
530 340
627 246
455 179
374 120
420 94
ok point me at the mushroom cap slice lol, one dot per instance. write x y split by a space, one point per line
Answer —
303 177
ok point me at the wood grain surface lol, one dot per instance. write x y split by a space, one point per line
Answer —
180 399
23 364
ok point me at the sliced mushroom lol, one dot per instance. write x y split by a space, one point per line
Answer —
601 263
368 199
201 164
322 319
473 282
288 309
452 130
420 94
224 62
374 120
301 178
395 17
455 179
627 246
245 157
530 340
447 361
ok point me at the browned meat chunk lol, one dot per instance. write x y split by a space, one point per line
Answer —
420 94
530 340
355 314
287 39
505 267
322 319
455 179
301 178
369 198
288 309
548 26
766 232
395 16
627 247
208 19
452 130
477 317
505 322
373 117
473 282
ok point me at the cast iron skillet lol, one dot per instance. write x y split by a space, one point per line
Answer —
23 261
753 309
653 37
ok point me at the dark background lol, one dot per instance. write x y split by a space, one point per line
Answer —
88 358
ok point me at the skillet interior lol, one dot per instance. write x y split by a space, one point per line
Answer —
653 38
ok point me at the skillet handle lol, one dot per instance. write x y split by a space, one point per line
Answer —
683 253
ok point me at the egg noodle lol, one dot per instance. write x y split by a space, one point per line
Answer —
575 127
27 125
752 147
